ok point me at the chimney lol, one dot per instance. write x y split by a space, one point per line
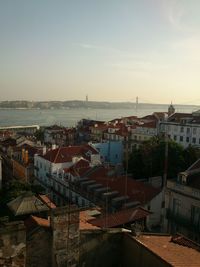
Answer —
64 223
53 146
44 150
26 157
23 154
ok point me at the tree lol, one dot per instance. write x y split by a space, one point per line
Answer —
191 154
39 134
149 159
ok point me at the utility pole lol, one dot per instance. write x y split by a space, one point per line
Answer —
166 159
164 182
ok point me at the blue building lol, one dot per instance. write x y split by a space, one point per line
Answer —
110 151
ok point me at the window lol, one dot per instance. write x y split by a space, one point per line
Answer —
182 129
194 130
176 206
195 215
187 139
194 140
188 130
175 137
181 138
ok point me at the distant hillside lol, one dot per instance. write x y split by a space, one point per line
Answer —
77 104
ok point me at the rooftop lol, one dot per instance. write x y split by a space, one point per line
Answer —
65 154
135 190
177 251
121 217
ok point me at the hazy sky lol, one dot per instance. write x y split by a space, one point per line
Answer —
112 50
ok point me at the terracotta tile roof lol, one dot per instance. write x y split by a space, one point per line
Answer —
65 154
34 221
122 132
136 191
149 118
79 168
161 115
84 219
176 117
47 201
101 127
177 252
150 124
121 217
183 241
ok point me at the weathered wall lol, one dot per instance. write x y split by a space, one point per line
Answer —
65 241
135 254
12 245
101 248
38 250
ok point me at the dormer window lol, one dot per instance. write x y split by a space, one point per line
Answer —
182 178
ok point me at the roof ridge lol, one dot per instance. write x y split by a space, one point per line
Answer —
57 155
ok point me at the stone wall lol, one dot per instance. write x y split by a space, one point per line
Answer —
38 251
12 245
65 240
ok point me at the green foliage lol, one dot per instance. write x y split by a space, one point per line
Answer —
39 134
149 159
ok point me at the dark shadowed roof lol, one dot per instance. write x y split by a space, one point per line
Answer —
27 204
136 190
121 217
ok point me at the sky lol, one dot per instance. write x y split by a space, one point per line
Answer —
110 50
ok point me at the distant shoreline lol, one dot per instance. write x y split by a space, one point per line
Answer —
87 105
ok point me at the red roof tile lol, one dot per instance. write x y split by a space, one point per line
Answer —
34 221
136 191
84 219
121 217
47 201
65 154
79 168
175 254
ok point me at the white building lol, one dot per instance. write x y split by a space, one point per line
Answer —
182 203
184 128
55 161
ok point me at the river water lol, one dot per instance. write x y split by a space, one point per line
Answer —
69 117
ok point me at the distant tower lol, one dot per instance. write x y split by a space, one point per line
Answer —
171 110
136 104
86 99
